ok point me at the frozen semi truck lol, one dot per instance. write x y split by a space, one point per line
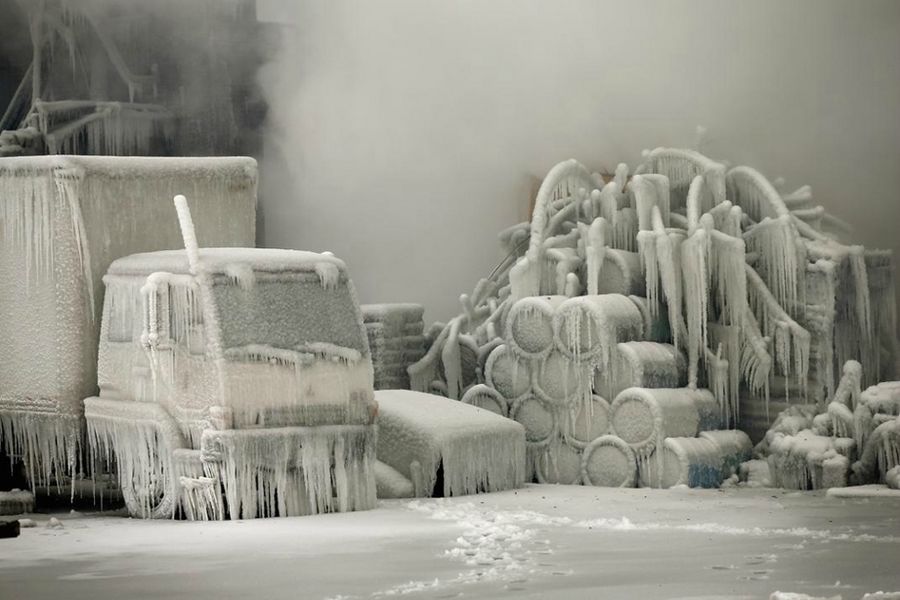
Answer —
234 382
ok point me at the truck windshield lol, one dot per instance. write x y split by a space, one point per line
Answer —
288 311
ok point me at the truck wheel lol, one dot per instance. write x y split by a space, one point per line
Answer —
149 504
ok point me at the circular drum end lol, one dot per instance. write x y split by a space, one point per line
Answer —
560 464
537 417
634 420
507 374
591 421
609 462
529 328
486 397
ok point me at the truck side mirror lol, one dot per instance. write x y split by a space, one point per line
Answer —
155 335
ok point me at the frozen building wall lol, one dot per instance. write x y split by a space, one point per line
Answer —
63 220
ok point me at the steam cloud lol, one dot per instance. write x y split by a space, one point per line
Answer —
404 134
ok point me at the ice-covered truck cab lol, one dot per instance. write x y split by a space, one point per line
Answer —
236 382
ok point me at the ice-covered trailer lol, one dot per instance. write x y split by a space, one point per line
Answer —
234 382
63 220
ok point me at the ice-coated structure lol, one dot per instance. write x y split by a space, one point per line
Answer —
635 322
854 440
445 448
63 220
234 382
396 340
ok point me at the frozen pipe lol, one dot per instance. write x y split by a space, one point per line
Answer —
507 373
596 253
644 200
621 274
529 325
644 417
485 397
572 285
695 203
608 462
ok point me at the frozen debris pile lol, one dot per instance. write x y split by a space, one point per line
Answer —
63 220
447 448
396 340
855 440
681 274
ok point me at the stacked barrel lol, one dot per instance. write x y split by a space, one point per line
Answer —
396 340
560 359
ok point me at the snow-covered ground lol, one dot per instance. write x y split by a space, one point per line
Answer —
543 541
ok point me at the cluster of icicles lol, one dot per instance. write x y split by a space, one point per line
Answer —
751 286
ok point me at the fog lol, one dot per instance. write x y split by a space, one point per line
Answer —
404 134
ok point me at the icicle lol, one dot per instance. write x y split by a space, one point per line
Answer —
694 252
241 274
791 341
451 359
281 471
782 260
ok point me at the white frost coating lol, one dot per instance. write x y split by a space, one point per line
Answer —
451 359
644 200
622 274
595 248
329 274
558 379
791 341
49 444
694 255
649 365
241 275
142 437
805 461
529 325
645 417
293 471
782 260
507 373
588 422
322 385
755 362
537 417
477 450
681 166
562 465
62 220
610 462
487 398
735 445
690 461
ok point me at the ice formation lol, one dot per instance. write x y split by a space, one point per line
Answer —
447 448
63 220
855 440
692 290
396 340
234 382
